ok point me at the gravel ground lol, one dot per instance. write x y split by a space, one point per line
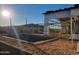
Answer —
59 47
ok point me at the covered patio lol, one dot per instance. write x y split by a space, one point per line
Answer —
69 20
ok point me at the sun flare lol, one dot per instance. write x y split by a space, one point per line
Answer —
6 13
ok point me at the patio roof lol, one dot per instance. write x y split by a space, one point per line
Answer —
65 9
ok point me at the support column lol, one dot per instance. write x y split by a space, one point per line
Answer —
71 29
46 26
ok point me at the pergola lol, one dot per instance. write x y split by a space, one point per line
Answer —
69 20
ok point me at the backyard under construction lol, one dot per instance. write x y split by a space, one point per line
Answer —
59 37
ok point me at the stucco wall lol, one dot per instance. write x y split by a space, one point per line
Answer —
75 12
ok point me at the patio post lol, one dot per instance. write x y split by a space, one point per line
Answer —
71 29
46 26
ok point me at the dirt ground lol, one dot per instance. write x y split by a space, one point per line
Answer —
59 47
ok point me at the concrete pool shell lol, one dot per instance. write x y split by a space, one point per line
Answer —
32 37
25 46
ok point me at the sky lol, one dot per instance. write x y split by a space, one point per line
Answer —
32 12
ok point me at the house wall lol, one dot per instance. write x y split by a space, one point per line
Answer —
75 12
64 26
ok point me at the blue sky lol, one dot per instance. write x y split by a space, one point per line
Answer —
31 12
